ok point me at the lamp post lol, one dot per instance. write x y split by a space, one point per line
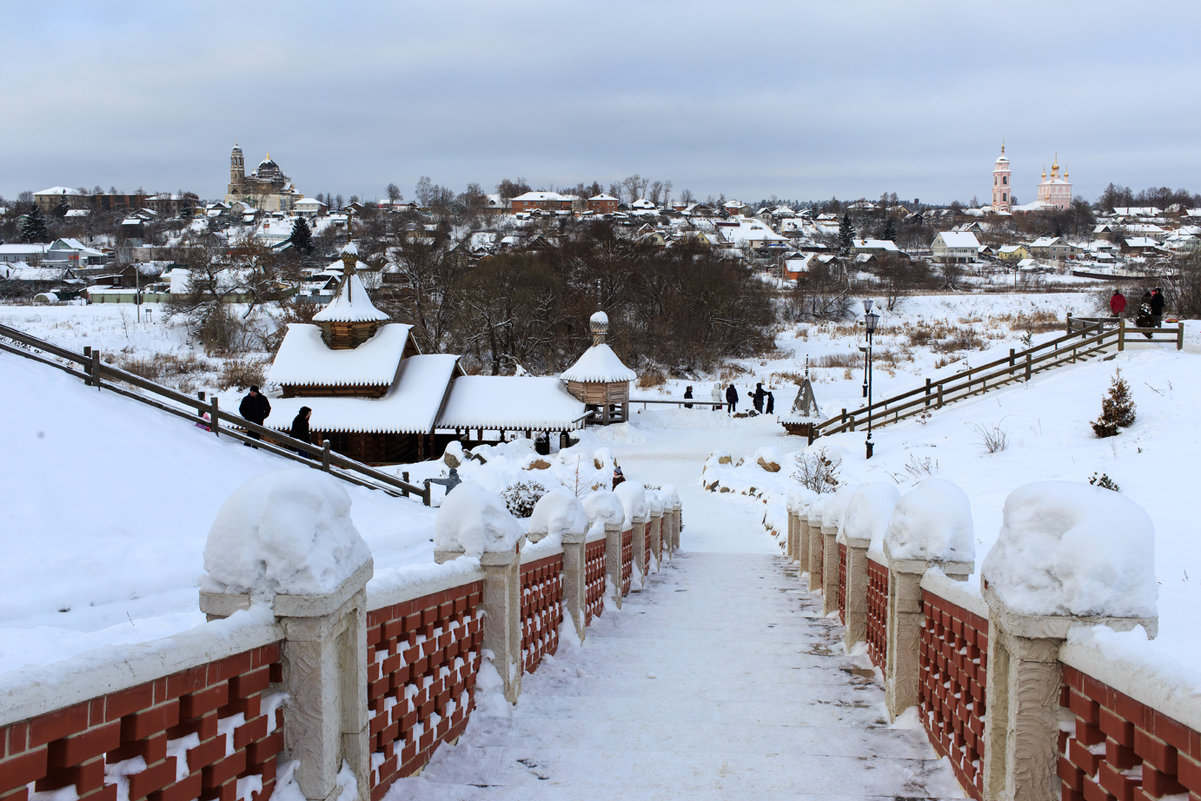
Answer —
870 319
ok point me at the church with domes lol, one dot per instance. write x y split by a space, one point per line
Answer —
267 188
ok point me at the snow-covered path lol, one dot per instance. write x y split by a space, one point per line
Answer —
720 680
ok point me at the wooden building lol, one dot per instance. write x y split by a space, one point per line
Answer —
599 378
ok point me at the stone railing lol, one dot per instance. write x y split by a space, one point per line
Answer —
351 684
991 684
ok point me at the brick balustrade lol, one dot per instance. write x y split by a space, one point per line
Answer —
541 609
627 560
1121 748
877 612
423 658
594 559
842 582
954 662
211 731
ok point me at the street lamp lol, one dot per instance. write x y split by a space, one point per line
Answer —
870 319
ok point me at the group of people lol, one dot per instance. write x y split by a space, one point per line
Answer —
763 400
1150 308
256 408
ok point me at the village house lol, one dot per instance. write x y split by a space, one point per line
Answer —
1051 248
549 202
955 247
601 204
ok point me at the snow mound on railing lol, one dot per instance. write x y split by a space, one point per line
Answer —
284 532
473 520
558 512
932 522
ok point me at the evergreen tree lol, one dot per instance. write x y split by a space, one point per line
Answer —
890 229
34 229
1117 408
846 233
302 236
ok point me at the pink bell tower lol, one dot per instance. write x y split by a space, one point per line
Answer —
1002 194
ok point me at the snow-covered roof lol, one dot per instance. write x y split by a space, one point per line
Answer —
642 203
959 239
512 403
351 304
305 360
602 196
537 196
875 244
59 190
599 364
409 407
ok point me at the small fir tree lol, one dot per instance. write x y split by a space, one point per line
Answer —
33 228
1117 408
846 233
302 236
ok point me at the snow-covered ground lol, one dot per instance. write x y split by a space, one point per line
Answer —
109 503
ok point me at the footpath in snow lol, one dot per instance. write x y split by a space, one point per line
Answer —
720 680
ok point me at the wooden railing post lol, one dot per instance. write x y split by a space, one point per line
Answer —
96 368
939 396
87 368
214 421
1179 336
404 476
927 397
200 410
1012 358
1029 366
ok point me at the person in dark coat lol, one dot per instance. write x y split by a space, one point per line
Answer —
1145 318
688 394
255 407
1117 303
757 398
1157 307
732 398
300 429
771 403
618 476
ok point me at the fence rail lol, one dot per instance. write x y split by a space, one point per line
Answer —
94 372
1086 337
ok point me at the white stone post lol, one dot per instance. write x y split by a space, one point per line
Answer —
856 619
677 525
829 585
902 673
613 537
802 539
575 580
502 616
657 537
815 556
639 529
1021 750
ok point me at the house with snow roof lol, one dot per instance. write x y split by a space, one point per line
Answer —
955 247
1055 248
543 201
601 204
379 400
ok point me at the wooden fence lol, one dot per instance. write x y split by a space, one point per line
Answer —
1086 338
95 372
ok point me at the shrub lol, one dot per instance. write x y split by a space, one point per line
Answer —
815 471
521 497
993 439
1117 408
1104 482
241 373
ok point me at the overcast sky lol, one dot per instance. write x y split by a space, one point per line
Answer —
798 100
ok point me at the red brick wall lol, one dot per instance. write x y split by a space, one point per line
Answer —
646 546
954 661
541 609
594 579
842 582
877 612
1121 748
627 560
220 703
423 658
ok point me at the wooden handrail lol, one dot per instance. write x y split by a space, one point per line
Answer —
96 373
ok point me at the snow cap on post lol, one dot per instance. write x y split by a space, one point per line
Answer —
287 532
868 513
633 499
602 507
834 507
473 521
557 513
932 523
1073 549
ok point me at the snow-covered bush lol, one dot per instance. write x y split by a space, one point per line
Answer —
1103 481
521 497
816 471
1117 408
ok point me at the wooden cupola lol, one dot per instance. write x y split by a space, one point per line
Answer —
351 318
599 378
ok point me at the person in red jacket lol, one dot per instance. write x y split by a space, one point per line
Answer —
1117 303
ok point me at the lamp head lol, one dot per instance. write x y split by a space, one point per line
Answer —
870 320
867 305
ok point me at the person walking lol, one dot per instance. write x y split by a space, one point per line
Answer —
254 407
688 395
1157 307
300 429
757 398
732 398
1117 303
771 402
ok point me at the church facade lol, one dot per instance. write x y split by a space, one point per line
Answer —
267 188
